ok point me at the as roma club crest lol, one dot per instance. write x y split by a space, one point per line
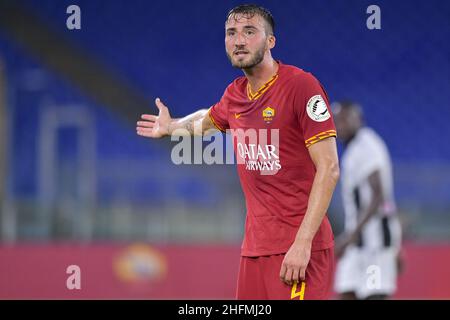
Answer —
268 114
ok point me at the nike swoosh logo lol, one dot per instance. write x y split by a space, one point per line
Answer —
237 115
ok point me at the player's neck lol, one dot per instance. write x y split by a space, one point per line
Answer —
351 137
260 74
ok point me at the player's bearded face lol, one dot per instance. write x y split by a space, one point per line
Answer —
243 58
245 42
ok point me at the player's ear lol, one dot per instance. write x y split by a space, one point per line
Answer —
271 39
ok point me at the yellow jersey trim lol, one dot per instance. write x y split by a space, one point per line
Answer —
320 136
214 121
264 88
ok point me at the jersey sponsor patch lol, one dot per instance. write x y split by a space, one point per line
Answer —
317 109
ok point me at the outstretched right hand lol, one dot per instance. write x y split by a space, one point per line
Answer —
152 126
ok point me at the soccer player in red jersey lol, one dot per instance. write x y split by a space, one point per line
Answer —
288 182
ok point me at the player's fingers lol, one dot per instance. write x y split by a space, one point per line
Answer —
149 132
282 271
288 276
145 124
149 117
295 275
302 273
159 104
145 133
141 129
144 129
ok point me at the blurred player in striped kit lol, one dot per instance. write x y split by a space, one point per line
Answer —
368 250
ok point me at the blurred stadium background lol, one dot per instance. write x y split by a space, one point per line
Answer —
77 186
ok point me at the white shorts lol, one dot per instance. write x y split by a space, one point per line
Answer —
367 272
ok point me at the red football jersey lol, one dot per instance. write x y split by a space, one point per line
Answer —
272 130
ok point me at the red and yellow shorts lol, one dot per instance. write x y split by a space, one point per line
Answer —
259 278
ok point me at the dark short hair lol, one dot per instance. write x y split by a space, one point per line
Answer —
249 10
349 105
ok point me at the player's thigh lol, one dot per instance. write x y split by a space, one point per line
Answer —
250 284
319 275
275 288
380 273
349 272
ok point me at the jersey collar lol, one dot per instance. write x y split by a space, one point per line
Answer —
254 96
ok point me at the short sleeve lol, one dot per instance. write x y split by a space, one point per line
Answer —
313 110
218 113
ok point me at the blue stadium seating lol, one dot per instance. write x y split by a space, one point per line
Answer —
174 49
